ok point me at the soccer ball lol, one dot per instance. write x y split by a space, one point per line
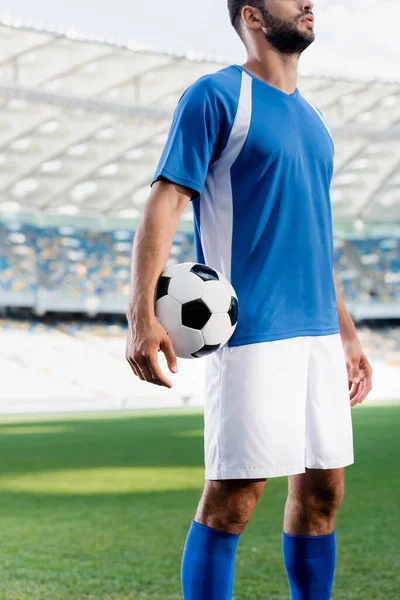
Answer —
198 308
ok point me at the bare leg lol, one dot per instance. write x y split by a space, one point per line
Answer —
228 505
312 502
208 561
309 541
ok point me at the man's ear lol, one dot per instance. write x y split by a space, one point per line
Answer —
252 17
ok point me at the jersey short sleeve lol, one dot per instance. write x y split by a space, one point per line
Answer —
196 132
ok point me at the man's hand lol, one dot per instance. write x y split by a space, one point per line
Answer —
359 372
146 337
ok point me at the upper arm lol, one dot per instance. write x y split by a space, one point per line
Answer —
167 192
193 137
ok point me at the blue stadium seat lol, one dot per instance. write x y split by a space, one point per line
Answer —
81 262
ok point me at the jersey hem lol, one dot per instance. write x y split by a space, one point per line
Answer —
178 180
283 336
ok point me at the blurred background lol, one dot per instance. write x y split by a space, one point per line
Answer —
86 99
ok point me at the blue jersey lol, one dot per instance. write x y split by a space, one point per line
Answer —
260 162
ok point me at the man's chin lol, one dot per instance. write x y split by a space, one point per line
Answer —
308 36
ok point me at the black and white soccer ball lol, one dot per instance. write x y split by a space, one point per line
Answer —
198 307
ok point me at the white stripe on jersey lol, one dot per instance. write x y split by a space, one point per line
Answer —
320 116
216 204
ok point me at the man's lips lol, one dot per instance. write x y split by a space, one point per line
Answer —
309 18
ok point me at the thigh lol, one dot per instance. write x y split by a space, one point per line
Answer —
329 435
222 491
255 397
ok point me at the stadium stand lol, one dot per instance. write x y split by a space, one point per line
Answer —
369 269
75 261
83 263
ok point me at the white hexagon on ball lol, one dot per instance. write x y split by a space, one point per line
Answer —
185 287
216 296
169 313
228 336
218 329
186 341
228 285
177 269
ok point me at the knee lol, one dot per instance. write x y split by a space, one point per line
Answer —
325 500
237 511
227 509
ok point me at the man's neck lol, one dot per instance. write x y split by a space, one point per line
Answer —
274 68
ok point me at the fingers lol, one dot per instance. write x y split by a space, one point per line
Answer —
157 376
147 370
367 387
353 370
369 378
356 380
354 390
135 368
360 381
360 392
168 349
148 364
357 396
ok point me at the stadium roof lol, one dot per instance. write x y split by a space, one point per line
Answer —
83 122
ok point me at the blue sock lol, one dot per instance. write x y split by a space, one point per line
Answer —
208 564
310 565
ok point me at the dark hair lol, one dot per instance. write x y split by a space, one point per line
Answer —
235 10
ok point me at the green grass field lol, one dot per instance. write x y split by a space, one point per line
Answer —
98 507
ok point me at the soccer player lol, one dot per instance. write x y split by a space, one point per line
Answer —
256 160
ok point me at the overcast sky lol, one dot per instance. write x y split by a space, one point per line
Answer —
355 38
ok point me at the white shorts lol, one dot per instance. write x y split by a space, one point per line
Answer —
275 408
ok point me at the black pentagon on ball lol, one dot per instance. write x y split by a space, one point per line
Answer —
195 314
233 311
205 350
162 287
205 273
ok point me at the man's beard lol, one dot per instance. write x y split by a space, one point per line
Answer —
284 36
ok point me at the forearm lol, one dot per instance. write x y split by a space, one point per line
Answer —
347 328
152 245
